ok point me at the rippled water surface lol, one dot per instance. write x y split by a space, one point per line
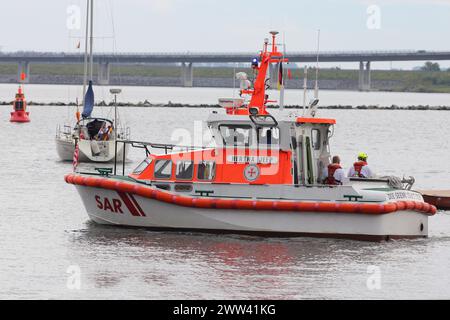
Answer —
44 228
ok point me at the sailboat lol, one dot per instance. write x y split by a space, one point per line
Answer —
95 136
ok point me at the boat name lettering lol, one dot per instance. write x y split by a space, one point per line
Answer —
252 159
114 205
396 195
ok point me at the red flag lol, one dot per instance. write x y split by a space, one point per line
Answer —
23 76
75 155
289 73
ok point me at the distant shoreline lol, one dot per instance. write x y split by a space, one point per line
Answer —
224 77
147 104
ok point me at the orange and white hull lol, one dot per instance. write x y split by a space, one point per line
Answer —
114 202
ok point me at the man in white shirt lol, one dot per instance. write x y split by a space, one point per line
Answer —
334 174
360 168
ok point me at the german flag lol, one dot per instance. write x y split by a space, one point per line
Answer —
280 74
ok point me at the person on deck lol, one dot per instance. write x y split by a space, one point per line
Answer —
361 168
334 173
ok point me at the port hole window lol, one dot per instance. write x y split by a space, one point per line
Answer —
184 170
206 170
315 135
163 169
141 167
235 135
268 136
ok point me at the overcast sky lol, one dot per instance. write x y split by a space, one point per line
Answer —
227 25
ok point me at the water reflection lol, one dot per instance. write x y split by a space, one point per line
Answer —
243 266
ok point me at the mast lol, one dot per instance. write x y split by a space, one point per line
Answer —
86 52
259 98
305 87
91 41
316 87
281 74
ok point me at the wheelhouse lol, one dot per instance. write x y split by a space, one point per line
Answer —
288 151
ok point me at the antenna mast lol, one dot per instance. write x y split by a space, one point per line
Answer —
305 87
281 74
316 87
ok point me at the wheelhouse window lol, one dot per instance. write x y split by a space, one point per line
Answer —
184 170
316 142
268 136
141 167
236 135
163 169
206 170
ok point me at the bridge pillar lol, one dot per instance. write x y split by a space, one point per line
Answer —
364 79
187 74
24 68
103 73
361 76
367 77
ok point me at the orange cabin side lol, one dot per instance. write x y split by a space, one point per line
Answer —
227 165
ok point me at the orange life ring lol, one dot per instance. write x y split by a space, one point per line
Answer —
221 203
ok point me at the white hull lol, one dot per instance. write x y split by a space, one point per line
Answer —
153 213
103 151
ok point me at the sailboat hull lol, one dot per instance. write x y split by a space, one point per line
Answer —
90 150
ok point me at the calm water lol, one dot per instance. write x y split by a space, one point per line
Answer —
44 228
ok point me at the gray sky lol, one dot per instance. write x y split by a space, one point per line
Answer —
228 25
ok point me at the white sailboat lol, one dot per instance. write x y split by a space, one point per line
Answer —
96 136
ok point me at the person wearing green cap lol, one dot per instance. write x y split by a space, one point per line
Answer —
361 168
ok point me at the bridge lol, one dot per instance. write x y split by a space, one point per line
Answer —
187 59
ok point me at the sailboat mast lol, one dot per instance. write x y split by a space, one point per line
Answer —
91 41
316 87
86 51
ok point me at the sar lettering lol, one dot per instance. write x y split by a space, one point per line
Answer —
114 205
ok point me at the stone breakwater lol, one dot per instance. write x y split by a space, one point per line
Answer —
201 82
147 104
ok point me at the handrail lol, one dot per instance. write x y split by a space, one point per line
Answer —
145 145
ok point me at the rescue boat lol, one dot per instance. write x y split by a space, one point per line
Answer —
20 113
263 176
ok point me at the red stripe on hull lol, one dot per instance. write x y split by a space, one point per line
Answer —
137 205
129 204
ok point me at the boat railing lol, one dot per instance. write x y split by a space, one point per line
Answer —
147 146
65 130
